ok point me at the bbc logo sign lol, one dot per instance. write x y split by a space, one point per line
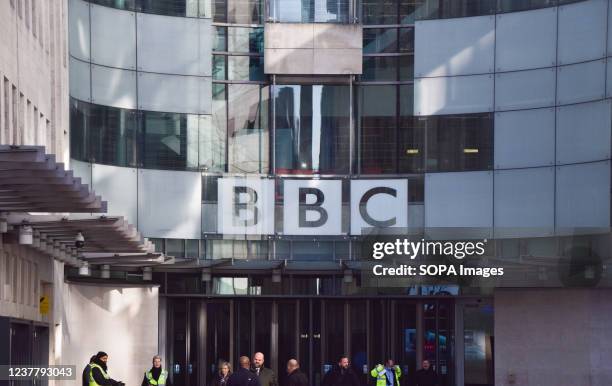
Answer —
247 205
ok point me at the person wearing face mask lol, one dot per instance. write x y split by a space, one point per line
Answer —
156 376
98 372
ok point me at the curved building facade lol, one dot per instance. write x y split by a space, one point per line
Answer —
250 140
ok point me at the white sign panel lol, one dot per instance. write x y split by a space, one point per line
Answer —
378 204
312 207
245 206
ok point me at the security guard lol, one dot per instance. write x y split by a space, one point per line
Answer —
157 376
98 372
387 375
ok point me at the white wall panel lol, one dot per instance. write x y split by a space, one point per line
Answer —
78 29
113 87
169 204
205 60
524 138
581 82
169 44
526 40
525 199
174 93
453 95
113 37
583 195
83 170
582 31
460 46
462 199
80 80
119 187
525 89
583 132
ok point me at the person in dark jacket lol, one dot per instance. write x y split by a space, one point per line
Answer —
223 376
98 373
426 376
157 376
266 376
295 376
86 370
341 375
243 376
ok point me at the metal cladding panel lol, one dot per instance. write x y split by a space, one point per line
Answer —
171 45
583 195
524 138
169 204
79 29
461 199
514 29
174 93
459 46
525 89
453 95
581 82
113 87
582 31
113 37
525 198
583 132
80 80
119 187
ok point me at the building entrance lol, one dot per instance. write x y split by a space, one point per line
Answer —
317 331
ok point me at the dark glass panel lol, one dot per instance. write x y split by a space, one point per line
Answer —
379 40
406 67
170 140
312 129
459 142
379 68
79 128
219 67
119 4
378 12
442 9
112 136
220 39
411 146
170 7
408 10
245 68
406 40
245 40
219 11
521 5
378 129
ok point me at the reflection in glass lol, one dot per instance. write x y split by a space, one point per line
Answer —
406 40
220 39
442 9
478 344
245 40
244 11
247 128
170 140
312 129
218 67
215 137
245 68
310 11
520 5
406 67
379 40
379 12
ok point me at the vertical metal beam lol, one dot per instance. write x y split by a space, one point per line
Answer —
274 338
347 329
419 328
202 342
232 331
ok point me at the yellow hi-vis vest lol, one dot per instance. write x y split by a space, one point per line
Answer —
160 381
92 381
380 374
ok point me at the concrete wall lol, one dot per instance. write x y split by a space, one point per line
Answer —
34 75
312 49
553 337
120 320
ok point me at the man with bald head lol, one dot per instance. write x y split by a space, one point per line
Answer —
295 376
265 375
243 375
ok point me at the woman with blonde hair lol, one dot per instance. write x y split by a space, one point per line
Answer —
223 375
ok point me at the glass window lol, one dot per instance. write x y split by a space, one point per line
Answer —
411 146
220 39
408 10
219 11
169 140
406 40
406 67
170 7
377 105
441 9
247 128
459 142
79 127
313 250
219 67
245 68
247 40
175 247
244 11
119 4
310 11
214 131
379 40
312 129
379 68
378 12
192 248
